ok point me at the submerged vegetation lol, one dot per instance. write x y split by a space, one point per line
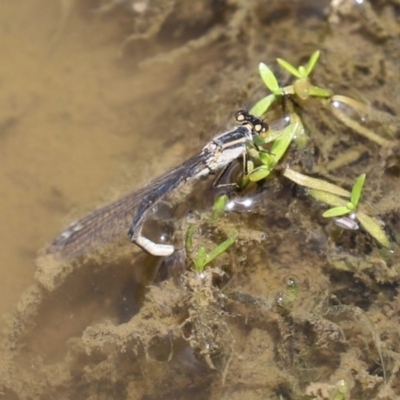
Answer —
301 90
267 160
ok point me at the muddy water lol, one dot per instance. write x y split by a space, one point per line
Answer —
295 308
73 127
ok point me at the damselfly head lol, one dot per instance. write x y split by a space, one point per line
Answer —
256 124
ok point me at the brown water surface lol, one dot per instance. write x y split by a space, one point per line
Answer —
75 123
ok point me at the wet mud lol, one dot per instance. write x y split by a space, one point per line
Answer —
121 91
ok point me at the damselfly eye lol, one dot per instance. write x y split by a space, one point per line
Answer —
240 116
259 128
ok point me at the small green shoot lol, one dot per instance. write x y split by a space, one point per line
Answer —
341 390
269 159
303 71
352 204
287 298
301 87
201 258
292 291
219 206
324 193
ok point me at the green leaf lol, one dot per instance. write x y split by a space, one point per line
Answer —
249 166
327 198
253 152
302 72
270 137
222 248
292 288
374 228
244 182
267 159
219 206
314 183
335 212
357 190
268 77
282 143
200 260
288 67
259 173
311 62
259 142
342 389
316 91
263 105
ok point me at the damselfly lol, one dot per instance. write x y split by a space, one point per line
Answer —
104 224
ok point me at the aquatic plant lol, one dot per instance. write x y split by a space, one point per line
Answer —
264 160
